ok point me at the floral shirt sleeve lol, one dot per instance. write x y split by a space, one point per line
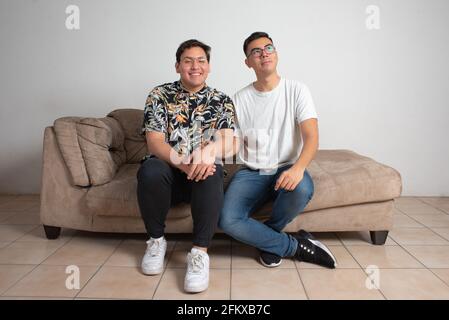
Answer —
155 113
226 119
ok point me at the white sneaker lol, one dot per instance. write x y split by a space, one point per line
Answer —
197 276
153 260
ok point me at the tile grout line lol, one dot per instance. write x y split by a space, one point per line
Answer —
361 267
422 224
428 228
18 211
165 269
18 280
37 226
35 266
416 258
410 217
436 275
19 237
300 280
98 269
57 249
417 245
405 249
412 255
433 206
427 204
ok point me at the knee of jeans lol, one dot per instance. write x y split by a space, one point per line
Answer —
153 170
218 174
223 223
217 177
305 190
226 222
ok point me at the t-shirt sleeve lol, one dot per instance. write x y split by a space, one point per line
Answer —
155 113
305 107
226 118
237 132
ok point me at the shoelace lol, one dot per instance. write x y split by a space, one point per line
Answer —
196 263
155 248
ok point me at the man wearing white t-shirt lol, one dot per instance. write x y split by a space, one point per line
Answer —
279 133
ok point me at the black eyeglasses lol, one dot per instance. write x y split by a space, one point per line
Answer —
257 52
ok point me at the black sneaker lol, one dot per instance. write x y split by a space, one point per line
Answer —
270 260
313 251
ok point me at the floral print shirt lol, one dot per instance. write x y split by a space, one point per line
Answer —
187 120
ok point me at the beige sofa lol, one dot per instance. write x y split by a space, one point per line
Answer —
89 183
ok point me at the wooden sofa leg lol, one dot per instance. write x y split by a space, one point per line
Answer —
52 232
378 237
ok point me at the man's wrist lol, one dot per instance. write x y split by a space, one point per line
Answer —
180 161
299 167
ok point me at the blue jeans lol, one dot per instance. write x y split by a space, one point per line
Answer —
247 192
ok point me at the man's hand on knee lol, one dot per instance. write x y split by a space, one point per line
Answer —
289 179
201 171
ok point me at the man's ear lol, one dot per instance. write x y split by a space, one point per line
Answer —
247 63
177 67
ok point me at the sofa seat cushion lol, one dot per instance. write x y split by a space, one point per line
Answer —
119 197
343 178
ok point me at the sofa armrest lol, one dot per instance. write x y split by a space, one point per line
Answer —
92 148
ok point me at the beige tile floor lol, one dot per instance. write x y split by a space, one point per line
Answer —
414 263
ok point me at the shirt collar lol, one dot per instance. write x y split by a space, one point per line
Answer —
180 87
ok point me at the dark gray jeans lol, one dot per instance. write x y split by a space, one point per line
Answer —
161 186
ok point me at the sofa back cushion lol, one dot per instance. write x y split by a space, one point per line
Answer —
131 122
67 137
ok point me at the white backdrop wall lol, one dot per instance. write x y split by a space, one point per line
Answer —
382 93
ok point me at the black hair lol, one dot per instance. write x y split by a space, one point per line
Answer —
254 36
190 44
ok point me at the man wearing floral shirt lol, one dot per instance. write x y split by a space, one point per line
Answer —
188 125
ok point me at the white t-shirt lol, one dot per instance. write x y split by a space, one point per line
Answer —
268 124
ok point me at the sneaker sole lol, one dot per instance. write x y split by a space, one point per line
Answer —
322 246
309 237
273 265
196 289
151 272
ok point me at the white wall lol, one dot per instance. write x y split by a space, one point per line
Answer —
382 93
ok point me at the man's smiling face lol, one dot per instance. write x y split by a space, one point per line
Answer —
193 68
